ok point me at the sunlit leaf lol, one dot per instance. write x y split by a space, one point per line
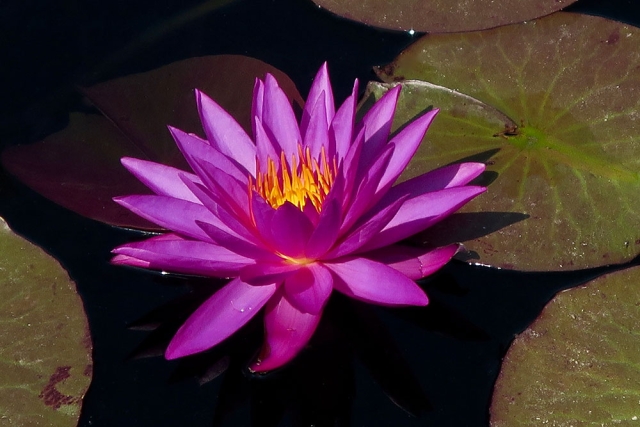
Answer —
79 167
45 347
570 84
442 16
579 362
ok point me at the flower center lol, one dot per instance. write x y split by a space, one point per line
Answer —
304 180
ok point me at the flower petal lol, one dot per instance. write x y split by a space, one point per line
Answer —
162 180
290 230
341 128
377 124
326 231
287 331
224 132
422 212
450 176
171 213
309 288
278 119
320 91
317 132
407 142
221 315
184 256
195 148
265 148
371 281
415 263
264 273
234 243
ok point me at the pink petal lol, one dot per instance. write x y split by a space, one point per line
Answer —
290 230
173 214
320 92
287 331
451 176
184 256
162 180
377 124
265 148
422 212
371 281
258 102
195 148
341 128
407 142
326 232
234 243
221 315
278 119
365 231
224 132
415 263
130 261
309 288
317 132
264 273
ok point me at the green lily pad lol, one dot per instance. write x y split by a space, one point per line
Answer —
45 346
442 16
79 167
579 362
570 83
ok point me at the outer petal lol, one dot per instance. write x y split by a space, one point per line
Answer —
183 256
234 243
422 212
415 263
309 288
224 132
320 91
450 176
221 315
326 232
174 214
162 180
374 282
290 230
377 124
341 129
317 132
278 118
407 142
195 149
287 331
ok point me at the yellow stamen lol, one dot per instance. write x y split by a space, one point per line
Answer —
304 180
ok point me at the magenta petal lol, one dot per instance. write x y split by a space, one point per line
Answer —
407 142
341 128
371 281
171 213
377 124
265 272
446 177
415 263
234 243
326 232
221 315
162 180
320 91
422 212
309 288
265 148
184 256
365 231
258 101
317 132
290 230
130 261
287 331
278 119
195 148
224 132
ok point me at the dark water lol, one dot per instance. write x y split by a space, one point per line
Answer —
451 354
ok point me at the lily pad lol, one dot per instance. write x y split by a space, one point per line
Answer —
579 362
442 16
79 167
45 346
569 155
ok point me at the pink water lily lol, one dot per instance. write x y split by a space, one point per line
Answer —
292 214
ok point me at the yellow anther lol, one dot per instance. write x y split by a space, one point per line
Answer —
304 180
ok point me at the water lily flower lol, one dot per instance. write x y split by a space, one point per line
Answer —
297 211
